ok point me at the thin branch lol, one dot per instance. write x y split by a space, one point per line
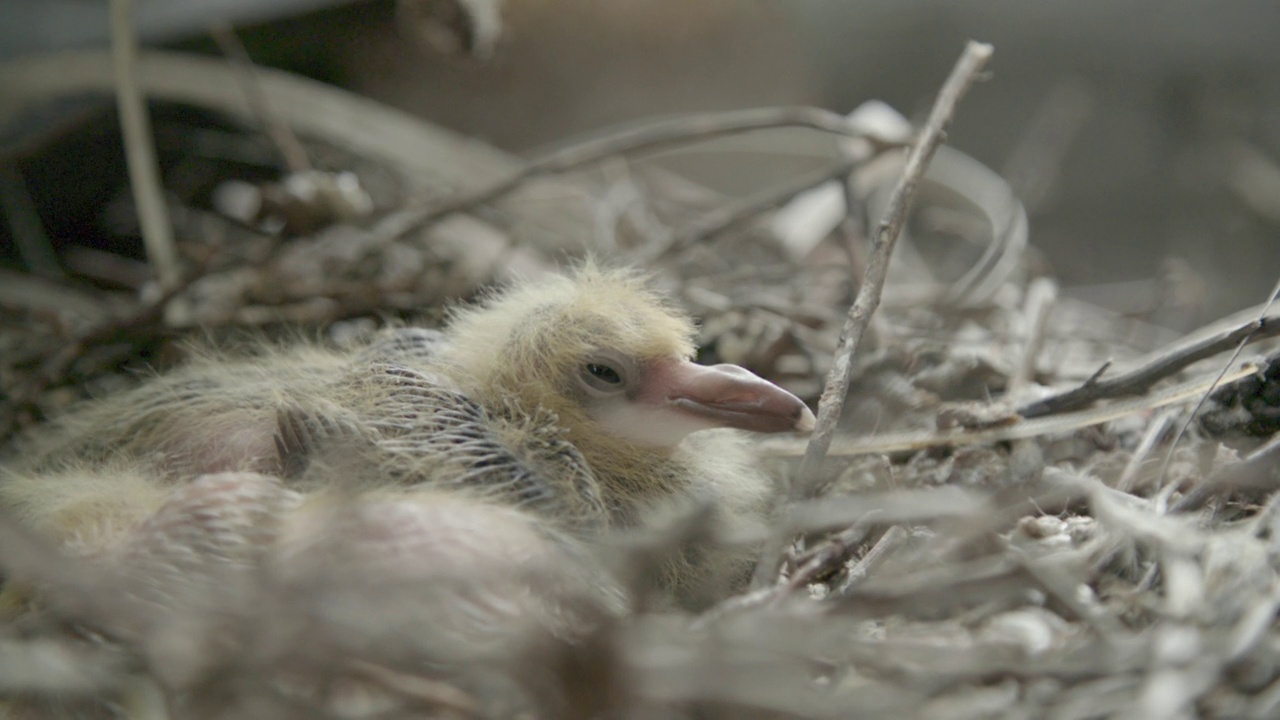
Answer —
29 238
887 443
648 139
1257 470
149 317
1170 361
966 71
826 558
1041 295
742 210
855 224
294 154
1168 458
890 540
831 404
1155 430
140 153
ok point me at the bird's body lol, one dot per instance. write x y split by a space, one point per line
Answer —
491 408
544 415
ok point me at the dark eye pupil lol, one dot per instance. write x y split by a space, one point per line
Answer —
605 373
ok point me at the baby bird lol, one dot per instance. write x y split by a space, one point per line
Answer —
471 468
611 359
574 398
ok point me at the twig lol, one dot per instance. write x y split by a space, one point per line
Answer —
878 552
993 196
1064 589
963 75
295 156
734 213
29 238
1041 295
736 604
1168 457
107 267
647 139
853 226
140 153
57 365
21 290
1256 470
1149 439
420 690
826 557
1097 374
1066 422
51 666
427 156
1170 361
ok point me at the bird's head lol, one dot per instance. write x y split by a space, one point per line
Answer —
610 355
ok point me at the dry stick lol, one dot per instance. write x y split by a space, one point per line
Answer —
140 154
148 317
1254 471
853 227
963 75
1041 295
1148 442
1166 491
295 156
733 213
29 238
417 688
1167 363
825 558
878 552
822 560
1063 589
649 138
913 441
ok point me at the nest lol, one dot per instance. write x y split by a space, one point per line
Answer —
1030 507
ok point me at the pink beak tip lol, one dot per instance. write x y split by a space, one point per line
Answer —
807 421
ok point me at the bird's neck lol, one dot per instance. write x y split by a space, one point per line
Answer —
631 476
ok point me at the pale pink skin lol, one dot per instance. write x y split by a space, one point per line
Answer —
482 573
678 397
324 577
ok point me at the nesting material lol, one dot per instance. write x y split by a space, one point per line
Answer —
376 526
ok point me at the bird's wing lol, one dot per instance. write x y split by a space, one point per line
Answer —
412 345
319 429
429 432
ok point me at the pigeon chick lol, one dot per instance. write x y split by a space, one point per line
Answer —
574 398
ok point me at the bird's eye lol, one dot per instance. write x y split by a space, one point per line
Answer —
604 373
604 376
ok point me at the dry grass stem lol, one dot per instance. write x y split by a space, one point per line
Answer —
135 125
1166 363
648 139
965 73
295 155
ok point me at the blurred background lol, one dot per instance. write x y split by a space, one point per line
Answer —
1143 136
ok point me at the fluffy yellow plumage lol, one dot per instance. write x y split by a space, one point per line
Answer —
462 475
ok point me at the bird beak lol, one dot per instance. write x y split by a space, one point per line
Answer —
724 396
